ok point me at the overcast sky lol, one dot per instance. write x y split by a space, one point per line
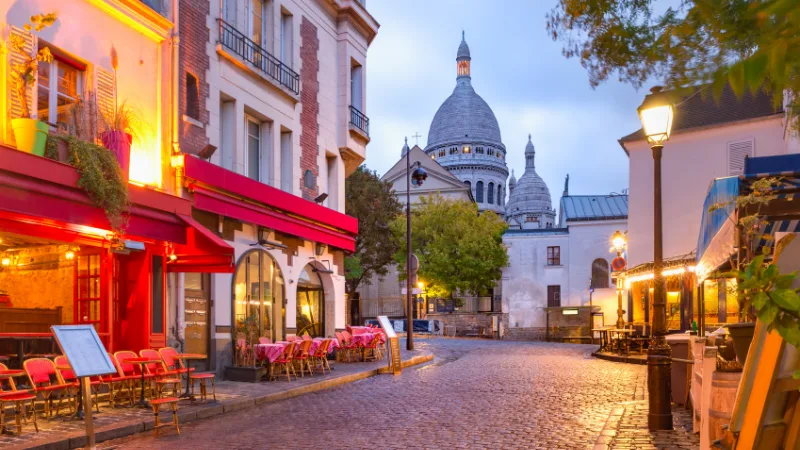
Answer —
517 69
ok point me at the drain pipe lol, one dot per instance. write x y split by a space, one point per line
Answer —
176 163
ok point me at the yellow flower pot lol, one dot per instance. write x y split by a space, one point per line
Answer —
30 134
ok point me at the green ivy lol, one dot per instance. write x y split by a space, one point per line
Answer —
100 176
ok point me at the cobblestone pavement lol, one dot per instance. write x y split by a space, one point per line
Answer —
476 394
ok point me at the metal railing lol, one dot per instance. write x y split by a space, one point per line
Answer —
241 45
359 119
390 306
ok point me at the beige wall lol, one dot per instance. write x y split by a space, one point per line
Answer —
47 283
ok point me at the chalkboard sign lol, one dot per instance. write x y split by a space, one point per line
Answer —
86 353
395 364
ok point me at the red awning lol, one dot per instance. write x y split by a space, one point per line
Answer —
204 251
225 205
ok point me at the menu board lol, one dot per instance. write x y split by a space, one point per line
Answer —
395 364
86 353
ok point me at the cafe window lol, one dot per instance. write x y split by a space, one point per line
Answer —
554 256
553 296
157 308
58 88
258 291
310 301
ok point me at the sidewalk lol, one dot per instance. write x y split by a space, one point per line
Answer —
111 423
626 429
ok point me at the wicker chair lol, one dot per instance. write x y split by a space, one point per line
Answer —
286 361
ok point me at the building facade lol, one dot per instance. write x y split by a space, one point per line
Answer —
464 138
273 120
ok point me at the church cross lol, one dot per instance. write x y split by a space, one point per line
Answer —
416 137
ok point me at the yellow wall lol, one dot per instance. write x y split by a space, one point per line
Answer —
46 285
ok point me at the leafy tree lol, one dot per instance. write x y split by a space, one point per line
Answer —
748 44
373 203
458 249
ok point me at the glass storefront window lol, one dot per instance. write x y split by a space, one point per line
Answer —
310 299
258 297
711 302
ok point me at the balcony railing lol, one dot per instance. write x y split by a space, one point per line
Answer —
359 120
241 45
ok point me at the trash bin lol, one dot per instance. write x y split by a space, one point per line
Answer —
679 343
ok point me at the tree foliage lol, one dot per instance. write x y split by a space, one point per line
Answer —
373 203
458 249
750 45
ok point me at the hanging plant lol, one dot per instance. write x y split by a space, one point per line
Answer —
100 176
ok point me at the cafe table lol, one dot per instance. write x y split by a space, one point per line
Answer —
142 362
622 335
187 357
20 338
605 340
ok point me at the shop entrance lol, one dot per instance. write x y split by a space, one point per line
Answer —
197 312
310 301
259 298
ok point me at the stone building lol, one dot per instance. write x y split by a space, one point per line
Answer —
464 138
529 206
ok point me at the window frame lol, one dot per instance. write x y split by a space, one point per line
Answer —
248 119
554 296
490 193
262 35
554 255
479 191
52 87
598 280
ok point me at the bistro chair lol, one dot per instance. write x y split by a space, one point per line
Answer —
306 337
202 378
264 340
320 357
286 360
40 371
355 348
303 357
11 386
126 378
67 376
346 348
173 405
373 349
170 357
18 399
159 374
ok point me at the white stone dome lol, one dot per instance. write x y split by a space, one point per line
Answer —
530 201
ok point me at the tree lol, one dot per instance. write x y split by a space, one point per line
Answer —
373 203
748 44
458 249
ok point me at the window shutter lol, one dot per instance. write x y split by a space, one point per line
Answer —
737 152
104 91
14 101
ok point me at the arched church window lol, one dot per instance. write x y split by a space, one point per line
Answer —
599 273
466 149
479 192
500 194
490 194
469 185
441 153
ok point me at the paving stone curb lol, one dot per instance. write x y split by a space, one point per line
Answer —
620 358
122 429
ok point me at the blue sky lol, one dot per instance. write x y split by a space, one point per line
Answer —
517 69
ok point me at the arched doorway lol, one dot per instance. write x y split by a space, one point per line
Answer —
258 297
310 303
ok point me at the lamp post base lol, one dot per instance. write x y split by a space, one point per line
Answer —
659 387
620 322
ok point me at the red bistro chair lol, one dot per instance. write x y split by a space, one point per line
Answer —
304 357
286 360
18 399
170 357
321 356
68 377
160 374
126 377
40 371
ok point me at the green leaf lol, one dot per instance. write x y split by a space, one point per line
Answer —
785 281
760 300
754 69
786 299
736 79
768 313
790 334
771 272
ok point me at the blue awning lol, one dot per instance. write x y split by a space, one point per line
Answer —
722 196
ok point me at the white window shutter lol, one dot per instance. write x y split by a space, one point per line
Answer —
104 91
13 99
738 151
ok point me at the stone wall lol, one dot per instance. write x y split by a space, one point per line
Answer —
464 323
309 115
194 60
525 334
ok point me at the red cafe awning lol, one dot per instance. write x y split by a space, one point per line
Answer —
230 194
203 252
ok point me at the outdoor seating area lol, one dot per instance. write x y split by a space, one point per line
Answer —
45 388
627 342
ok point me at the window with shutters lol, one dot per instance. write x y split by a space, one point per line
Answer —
553 296
59 85
738 151
554 256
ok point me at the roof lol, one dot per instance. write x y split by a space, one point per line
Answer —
537 231
700 109
581 208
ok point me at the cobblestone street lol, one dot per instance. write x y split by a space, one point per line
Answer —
476 394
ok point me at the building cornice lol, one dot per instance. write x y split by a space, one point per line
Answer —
137 15
355 12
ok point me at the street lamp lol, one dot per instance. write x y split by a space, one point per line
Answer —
619 240
656 114
415 178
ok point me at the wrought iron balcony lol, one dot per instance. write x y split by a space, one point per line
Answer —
359 120
235 41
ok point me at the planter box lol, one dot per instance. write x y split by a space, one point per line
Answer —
245 374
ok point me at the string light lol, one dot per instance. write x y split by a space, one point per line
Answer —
666 273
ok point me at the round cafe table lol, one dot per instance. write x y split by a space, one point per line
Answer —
187 357
142 362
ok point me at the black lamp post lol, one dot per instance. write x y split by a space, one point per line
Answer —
656 114
618 240
416 179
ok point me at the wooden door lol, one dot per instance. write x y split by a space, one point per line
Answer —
197 315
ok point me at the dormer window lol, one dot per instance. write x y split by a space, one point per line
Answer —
466 149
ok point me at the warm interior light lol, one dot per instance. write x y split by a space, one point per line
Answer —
6 261
173 257
146 159
421 285
306 310
177 160
70 255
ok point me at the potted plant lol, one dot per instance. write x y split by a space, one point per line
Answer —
754 283
119 125
30 134
244 366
